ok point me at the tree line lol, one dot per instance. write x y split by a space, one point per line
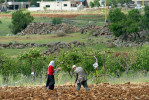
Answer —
122 24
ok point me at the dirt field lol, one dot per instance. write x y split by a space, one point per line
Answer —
51 15
104 91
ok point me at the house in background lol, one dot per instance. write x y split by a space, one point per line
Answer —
139 2
61 5
12 5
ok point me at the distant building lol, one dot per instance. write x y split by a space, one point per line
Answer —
139 2
11 5
60 5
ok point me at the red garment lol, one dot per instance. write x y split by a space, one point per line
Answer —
50 70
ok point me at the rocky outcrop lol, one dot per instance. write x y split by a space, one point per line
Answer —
45 28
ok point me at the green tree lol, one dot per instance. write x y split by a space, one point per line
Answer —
67 59
96 3
133 22
30 56
115 15
7 66
118 22
92 4
145 20
20 20
122 24
142 59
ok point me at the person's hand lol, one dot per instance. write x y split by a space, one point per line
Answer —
74 84
59 68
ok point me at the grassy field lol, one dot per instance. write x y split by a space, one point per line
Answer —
80 21
41 39
4 26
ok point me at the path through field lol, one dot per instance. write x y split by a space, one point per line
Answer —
104 91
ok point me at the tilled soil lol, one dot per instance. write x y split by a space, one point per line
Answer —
104 91
51 15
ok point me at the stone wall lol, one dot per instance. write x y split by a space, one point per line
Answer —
59 44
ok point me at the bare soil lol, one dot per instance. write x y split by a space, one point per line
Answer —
104 91
51 15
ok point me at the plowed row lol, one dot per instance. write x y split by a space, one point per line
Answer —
104 91
51 15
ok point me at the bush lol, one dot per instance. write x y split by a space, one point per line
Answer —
20 20
96 3
56 21
142 61
92 4
145 20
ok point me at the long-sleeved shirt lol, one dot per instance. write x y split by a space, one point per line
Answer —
51 70
80 75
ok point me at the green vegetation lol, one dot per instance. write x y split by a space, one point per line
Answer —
4 26
126 24
91 4
20 20
56 21
145 19
81 56
121 63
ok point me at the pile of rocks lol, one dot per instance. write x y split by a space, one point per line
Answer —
104 30
45 28
88 28
96 30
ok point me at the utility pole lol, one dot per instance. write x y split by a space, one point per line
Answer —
142 3
105 10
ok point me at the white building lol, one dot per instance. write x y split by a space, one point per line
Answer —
15 5
59 5
139 2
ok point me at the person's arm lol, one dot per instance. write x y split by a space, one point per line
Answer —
76 79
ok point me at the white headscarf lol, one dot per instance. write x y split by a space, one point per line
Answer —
74 66
52 63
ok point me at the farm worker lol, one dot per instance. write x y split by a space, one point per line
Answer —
95 65
50 81
81 78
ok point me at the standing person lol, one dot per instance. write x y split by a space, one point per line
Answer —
50 81
81 78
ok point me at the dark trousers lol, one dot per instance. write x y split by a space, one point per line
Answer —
50 82
84 83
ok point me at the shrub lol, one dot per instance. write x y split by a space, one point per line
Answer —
142 62
96 3
92 4
145 19
56 21
20 20
30 57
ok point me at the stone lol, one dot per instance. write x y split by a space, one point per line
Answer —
110 45
4 45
